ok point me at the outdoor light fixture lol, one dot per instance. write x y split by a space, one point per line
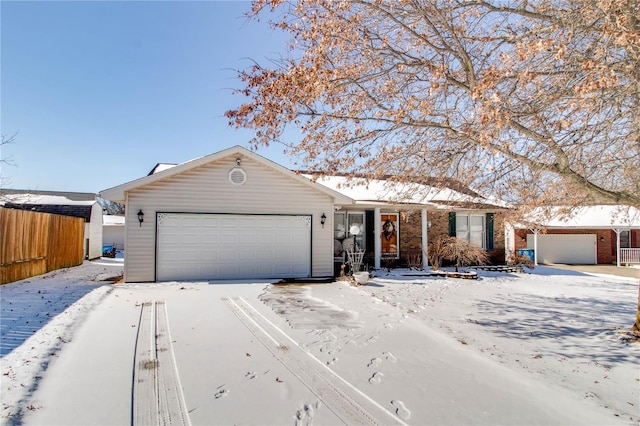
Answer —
140 217
238 160
323 219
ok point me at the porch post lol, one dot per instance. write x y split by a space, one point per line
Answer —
617 231
535 231
425 238
377 242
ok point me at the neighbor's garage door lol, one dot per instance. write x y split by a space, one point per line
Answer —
565 248
222 246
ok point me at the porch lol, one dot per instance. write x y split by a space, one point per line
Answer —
629 256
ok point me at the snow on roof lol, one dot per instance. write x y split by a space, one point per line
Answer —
42 199
118 193
112 220
383 191
161 167
597 216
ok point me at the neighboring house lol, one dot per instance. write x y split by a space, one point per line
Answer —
76 204
113 231
599 234
237 215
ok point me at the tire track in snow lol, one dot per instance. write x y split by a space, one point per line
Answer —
342 398
157 397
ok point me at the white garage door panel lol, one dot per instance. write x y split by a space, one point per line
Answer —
209 246
565 248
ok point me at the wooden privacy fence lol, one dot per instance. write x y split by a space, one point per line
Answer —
34 243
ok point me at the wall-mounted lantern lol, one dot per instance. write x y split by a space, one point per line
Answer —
140 217
323 219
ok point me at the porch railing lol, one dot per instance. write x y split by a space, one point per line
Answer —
630 255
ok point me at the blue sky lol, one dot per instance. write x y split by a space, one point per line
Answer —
99 92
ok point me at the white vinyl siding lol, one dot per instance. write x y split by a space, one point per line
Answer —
93 233
113 234
207 189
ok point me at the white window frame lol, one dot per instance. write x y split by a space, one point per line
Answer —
361 238
464 231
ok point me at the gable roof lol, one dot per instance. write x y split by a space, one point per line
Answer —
381 191
160 167
75 204
66 196
117 193
587 217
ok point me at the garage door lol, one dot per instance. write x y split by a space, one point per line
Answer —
565 248
224 246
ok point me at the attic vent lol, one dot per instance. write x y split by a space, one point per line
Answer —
237 176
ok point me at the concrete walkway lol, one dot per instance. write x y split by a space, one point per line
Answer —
621 271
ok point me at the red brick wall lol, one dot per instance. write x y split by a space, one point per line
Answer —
411 233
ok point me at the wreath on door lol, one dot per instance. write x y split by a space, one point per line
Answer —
388 230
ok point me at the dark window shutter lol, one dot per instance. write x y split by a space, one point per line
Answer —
614 243
369 229
452 224
490 231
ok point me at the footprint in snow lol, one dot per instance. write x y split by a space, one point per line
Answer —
221 392
376 378
389 356
332 361
304 417
374 362
401 410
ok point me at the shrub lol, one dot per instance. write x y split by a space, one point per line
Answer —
436 251
460 252
414 261
520 259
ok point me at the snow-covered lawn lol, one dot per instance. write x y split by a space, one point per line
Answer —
539 348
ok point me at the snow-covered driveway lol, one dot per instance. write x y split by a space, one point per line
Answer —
526 349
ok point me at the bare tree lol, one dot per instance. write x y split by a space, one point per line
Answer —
111 207
5 160
536 102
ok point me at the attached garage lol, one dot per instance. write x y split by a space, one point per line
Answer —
232 246
229 215
565 248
